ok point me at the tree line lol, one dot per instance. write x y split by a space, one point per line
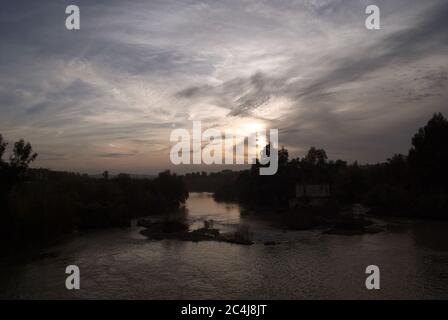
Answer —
414 184
38 205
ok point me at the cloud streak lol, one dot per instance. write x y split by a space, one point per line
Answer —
135 72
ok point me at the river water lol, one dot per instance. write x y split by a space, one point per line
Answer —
122 264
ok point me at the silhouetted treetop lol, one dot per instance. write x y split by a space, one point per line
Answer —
429 152
22 155
3 145
316 157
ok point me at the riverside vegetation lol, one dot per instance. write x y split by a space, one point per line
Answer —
412 185
39 205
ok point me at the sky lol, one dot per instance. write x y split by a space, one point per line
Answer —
107 96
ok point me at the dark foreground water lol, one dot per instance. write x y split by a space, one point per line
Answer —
412 256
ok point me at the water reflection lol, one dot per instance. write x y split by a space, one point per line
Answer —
202 206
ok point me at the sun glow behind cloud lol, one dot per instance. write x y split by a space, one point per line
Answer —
133 73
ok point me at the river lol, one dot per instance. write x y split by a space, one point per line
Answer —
122 264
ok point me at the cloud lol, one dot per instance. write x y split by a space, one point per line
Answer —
115 155
133 72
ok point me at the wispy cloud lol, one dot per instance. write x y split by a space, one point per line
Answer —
134 72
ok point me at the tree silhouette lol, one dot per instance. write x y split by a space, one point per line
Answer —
22 155
429 153
3 145
10 174
316 157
